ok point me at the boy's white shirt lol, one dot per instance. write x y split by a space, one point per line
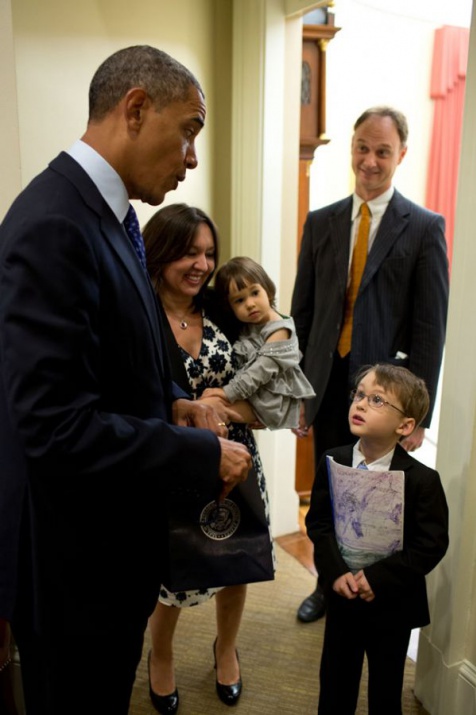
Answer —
380 465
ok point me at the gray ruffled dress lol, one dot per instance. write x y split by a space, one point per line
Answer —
268 375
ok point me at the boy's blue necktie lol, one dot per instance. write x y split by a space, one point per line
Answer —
131 224
362 465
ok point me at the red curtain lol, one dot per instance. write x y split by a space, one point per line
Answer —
450 58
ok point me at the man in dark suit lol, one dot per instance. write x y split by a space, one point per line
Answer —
398 312
94 433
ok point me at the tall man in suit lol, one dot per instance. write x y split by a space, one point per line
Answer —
93 431
397 313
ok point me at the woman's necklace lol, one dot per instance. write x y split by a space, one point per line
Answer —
181 320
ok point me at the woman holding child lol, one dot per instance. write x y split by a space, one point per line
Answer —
182 253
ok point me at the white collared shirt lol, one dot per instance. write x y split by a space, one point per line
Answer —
377 208
109 183
380 465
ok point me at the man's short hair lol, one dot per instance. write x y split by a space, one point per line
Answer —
410 389
163 78
398 118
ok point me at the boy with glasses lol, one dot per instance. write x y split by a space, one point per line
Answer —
375 600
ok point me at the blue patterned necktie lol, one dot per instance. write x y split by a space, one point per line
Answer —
131 224
362 465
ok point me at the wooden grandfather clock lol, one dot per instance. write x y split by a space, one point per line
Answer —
315 39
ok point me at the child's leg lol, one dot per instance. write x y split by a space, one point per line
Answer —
386 647
342 658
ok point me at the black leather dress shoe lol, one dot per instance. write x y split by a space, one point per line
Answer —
228 694
164 704
312 608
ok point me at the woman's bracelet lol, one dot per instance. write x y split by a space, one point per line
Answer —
7 662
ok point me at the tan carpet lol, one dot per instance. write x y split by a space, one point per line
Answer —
279 656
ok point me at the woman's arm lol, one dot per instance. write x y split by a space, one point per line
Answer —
240 411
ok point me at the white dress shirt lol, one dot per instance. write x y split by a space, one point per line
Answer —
109 183
377 208
382 464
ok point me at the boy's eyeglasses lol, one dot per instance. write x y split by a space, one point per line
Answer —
375 401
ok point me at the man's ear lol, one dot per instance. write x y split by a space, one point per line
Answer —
406 427
402 153
135 103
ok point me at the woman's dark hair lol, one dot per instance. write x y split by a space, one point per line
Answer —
169 235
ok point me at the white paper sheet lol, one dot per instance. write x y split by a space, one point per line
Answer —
368 513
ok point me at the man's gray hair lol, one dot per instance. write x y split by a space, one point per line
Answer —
164 79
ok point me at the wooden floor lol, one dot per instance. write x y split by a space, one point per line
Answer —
298 544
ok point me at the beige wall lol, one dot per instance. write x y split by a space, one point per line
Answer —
10 174
58 46
220 143
446 668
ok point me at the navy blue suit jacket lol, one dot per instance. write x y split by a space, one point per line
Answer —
398 581
87 451
402 302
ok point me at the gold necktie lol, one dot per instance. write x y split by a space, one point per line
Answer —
359 258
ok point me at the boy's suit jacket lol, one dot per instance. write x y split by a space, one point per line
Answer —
398 581
86 448
402 301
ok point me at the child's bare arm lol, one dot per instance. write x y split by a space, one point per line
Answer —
281 334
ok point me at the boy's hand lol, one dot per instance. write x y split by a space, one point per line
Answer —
346 586
365 591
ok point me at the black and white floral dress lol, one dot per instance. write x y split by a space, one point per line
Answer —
214 367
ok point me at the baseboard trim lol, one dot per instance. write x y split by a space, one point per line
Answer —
467 672
466 689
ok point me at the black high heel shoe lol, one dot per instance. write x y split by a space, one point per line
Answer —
228 694
164 704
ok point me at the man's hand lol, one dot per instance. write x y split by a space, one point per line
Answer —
365 590
235 463
196 413
414 440
346 586
4 645
303 429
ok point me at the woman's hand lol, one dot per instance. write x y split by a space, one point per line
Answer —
214 392
302 430
240 411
